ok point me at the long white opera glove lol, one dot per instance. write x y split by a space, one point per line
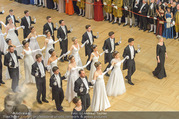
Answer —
4 34
67 74
67 53
3 23
35 20
127 57
19 46
56 41
3 11
102 53
86 42
41 35
108 69
19 27
48 68
86 64
60 57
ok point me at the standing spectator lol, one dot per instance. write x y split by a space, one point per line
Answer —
160 21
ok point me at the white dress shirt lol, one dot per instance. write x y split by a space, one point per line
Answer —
40 65
58 80
86 84
12 18
64 30
28 21
152 5
136 3
112 45
14 58
50 24
132 51
90 37
142 6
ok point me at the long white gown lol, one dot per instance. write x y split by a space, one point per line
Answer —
73 76
75 53
33 44
116 85
93 68
3 44
100 100
15 40
28 61
47 55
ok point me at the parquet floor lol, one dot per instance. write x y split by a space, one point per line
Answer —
148 93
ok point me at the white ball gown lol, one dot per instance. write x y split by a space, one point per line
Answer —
33 44
100 100
3 44
72 77
75 53
28 61
93 68
15 40
116 85
49 46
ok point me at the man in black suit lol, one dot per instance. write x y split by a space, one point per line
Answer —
1 82
11 61
136 10
49 26
27 21
88 35
109 45
130 63
11 14
62 33
82 89
143 19
39 70
57 91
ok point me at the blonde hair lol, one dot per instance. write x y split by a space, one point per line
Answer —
74 38
96 64
159 37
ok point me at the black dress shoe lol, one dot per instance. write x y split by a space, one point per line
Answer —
66 60
140 29
144 30
43 6
2 82
130 26
83 15
114 23
126 77
107 74
119 24
39 5
106 20
61 110
110 21
45 100
61 60
130 83
40 102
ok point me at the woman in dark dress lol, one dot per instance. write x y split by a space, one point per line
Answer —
161 54
78 111
50 4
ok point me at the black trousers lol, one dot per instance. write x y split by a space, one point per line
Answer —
0 72
89 55
26 33
136 10
41 88
59 99
143 23
16 32
85 99
131 68
109 60
53 40
64 47
14 75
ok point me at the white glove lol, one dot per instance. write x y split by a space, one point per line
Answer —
105 3
127 57
106 51
155 18
115 7
3 11
138 50
87 42
173 22
79 0
34 20
125 7
10 63
36 74
57 27
43 48
60 39
119 42
148 16
23 27
55 83
112 4
81 89
93 82
71 29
